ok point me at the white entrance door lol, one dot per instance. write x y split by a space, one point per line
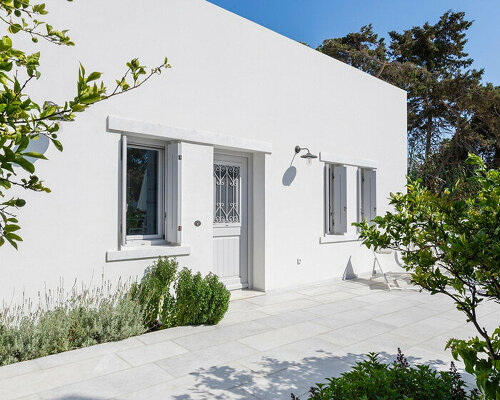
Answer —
231 220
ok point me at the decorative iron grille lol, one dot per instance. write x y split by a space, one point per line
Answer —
227 194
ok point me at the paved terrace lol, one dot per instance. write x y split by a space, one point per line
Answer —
265 348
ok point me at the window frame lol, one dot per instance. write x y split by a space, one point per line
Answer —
131 240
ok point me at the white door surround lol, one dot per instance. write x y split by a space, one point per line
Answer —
231 209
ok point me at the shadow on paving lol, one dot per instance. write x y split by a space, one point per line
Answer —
77 397
283 378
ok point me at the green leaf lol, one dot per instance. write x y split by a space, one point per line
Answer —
11 228
9 239
93 76
5 43
58 144
25 164
34 155
14 28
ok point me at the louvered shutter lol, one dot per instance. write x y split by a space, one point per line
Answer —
173 226
373 195
369 188
339 199
123 211
328 200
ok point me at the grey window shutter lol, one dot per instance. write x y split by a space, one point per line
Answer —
328 200
339 199
359 195
123 195
373 195
173 226
369 187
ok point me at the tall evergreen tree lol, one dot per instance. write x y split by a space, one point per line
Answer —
450 112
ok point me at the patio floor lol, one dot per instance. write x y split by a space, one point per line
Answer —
266 347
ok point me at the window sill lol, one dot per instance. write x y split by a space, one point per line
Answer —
338 238
142 252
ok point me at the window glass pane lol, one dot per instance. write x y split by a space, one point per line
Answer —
142 191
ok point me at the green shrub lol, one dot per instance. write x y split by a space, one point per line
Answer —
373 380
200 300
86 318
170 298
154 293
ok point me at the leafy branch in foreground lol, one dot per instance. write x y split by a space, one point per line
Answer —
22 120
450 243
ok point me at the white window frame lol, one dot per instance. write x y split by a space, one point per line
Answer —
132 240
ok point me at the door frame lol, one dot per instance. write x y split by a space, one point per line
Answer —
250 231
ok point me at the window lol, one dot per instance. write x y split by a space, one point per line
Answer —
368 194
227 194
144 193
150 195
336 199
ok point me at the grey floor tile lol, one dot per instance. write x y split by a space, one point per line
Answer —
345 318
334 296
186 388
193 361
241 317
151 353
287 318
295 380
358 332
404 317
21 368
88 352
172 333
298 304
221 335
331 309
275 298
279 337
108 386
43 380
296 354
427 328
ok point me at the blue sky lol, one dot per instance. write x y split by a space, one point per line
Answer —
311 21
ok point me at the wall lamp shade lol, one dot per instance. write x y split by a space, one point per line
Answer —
308 156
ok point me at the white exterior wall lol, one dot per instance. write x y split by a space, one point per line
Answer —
231 77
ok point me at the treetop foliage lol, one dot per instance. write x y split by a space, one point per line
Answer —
451 113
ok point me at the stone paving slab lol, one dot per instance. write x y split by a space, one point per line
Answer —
266 347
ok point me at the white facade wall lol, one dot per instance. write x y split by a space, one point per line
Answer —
230 77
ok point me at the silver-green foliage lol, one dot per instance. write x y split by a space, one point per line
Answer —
85 318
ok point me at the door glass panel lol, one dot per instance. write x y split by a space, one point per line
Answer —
142 191
227 194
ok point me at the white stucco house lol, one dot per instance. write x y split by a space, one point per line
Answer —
200 163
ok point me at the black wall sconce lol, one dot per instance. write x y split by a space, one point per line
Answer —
308 156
